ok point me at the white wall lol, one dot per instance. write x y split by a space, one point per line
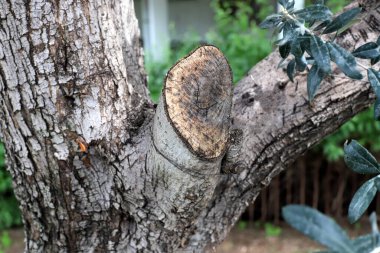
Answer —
154 23
190 15
162 21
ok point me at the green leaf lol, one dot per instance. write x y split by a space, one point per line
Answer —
376 60
317 226
322 25
364 244
359 159
285 50
342 20
373 221
314 79
287 4
377 109
305 43
290 5
321 54
344 28
299 56
272 230
361 200
301 63
283 3
296 49
242 225
289 34
271 21
291 69
5 240
377 183
367 51
374 80
314 12
345 61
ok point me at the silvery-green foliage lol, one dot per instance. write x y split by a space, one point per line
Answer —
327 232
301 30
301 40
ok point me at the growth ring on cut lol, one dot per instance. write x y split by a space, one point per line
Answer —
198 99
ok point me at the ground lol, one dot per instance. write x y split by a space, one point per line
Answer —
251 239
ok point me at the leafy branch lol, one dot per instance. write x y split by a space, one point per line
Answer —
327 232
301 37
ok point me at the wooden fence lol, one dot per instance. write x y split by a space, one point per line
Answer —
312 181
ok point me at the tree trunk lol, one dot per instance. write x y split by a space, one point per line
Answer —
97 168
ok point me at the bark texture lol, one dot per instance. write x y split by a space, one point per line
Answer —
97 169
72 72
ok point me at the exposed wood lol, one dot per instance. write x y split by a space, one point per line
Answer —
97 170
279 124
185 155
198 98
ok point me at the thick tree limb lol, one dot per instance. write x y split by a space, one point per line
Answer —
95 169
279 124
71 73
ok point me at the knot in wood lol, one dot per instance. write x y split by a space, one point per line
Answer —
198 98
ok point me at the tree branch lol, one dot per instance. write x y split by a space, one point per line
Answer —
78 131
279 124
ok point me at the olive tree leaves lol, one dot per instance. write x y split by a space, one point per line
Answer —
374 80
361 161
313 13
301 30
300 39
320 53
318 227
342 20
367 51
327 232
345 61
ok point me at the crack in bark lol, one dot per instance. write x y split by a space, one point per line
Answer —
125 201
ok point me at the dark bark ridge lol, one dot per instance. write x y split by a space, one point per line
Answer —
71 71
279 124
97 170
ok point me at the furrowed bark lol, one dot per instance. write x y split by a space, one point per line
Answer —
279 124
190 135
71 76
97 170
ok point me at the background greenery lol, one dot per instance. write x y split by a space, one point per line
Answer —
9 211
236 33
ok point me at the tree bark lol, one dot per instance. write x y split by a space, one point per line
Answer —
97 168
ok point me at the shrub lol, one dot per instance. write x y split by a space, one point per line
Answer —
239 38
9 207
